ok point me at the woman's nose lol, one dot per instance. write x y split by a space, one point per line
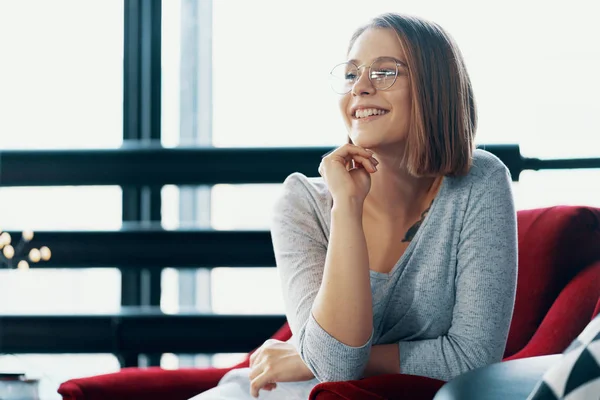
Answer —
363 85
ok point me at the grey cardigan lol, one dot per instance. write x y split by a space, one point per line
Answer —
447 302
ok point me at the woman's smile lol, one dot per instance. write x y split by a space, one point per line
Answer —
368 117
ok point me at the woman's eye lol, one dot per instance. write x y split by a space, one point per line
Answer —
384 73
350 77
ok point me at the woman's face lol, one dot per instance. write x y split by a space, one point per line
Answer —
389 125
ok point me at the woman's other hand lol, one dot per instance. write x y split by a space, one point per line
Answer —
276 361
344 181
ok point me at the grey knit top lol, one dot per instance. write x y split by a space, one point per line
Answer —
447 302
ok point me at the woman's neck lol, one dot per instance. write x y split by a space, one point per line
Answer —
397 194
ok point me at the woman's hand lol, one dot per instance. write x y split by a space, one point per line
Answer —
276 361
343 181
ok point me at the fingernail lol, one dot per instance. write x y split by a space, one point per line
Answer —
374 160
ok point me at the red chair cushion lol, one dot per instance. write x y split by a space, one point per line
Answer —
382 387
547 262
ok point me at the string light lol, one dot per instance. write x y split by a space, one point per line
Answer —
34 255
8 252
5 238
45 253
11 254
23 265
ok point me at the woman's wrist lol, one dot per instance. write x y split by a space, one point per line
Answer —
347 207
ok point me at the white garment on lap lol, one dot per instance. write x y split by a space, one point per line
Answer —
235 385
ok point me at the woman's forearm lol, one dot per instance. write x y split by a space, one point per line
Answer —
343 306
383 359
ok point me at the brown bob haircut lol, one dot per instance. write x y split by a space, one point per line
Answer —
443 119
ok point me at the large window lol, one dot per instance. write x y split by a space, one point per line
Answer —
62 83
61 73
61 80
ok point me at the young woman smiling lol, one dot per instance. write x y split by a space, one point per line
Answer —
402 256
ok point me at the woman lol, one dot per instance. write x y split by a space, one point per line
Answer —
402 257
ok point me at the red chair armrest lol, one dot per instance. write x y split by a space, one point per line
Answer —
382 387
143 384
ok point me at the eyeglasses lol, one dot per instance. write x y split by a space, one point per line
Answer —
383 73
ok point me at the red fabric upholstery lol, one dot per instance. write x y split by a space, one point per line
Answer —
383 387
558 293
554 245
554 335
151 383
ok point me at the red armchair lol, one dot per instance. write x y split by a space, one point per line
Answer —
558 293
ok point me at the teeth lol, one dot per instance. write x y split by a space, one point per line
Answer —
367 112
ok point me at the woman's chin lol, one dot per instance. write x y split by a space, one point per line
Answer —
371 140
365 141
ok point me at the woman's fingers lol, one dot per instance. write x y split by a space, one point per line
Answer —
370 164
347 152
259 383
258 379
343 179
254 356
254 372
256 369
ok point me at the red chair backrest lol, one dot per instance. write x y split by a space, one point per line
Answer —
555 245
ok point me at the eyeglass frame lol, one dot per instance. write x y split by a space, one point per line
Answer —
398 64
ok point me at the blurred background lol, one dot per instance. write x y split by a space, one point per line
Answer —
79 75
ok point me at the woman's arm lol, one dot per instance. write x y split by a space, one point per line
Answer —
343 307
384 359
325 282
